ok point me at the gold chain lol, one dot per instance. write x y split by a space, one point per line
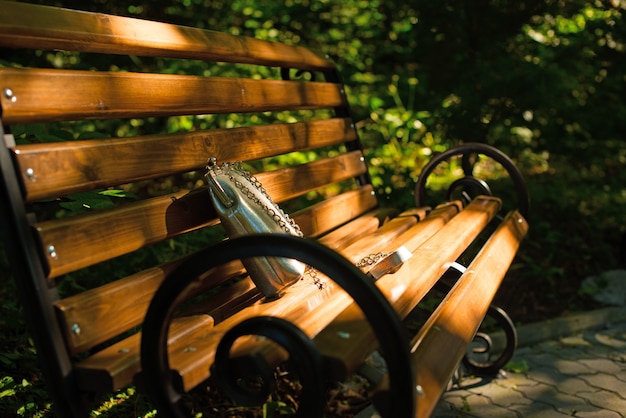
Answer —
368 260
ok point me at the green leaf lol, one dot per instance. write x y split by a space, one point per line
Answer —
7 392
519 366
118 193
82 202
376 103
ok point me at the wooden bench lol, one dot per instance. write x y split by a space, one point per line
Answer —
302 145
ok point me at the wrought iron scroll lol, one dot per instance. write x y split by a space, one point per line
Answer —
485 346
285 74
385 323
303 354
470 185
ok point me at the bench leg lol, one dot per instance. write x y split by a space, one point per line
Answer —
488 366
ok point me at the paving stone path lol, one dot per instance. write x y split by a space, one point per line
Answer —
582 375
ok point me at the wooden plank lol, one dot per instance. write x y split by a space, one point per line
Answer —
352 231
40 27
97 315
433 257
77 166
286 183
454 323
381 238
432 221
228 301
41 95
114 367
336 211
114 312
87 239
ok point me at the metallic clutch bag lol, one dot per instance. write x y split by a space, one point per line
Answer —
244 207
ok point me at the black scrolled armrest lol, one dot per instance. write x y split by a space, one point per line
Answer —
465 150
379 313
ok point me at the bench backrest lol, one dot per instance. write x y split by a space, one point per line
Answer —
255 113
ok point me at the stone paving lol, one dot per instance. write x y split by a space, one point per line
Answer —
581 375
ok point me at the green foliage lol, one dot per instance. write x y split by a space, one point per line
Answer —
276 408
520 366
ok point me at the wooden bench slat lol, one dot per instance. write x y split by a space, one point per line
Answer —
238 295
436 254
434 220
456 320
84 240
109 306
331 213
39 27
77 166
290 182
369 244
381 240
354 230
115 367
43 95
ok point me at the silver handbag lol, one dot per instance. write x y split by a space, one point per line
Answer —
244 207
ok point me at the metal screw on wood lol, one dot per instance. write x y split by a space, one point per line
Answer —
8 93
30 173
52 251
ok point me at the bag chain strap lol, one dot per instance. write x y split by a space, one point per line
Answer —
277 214
368 260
